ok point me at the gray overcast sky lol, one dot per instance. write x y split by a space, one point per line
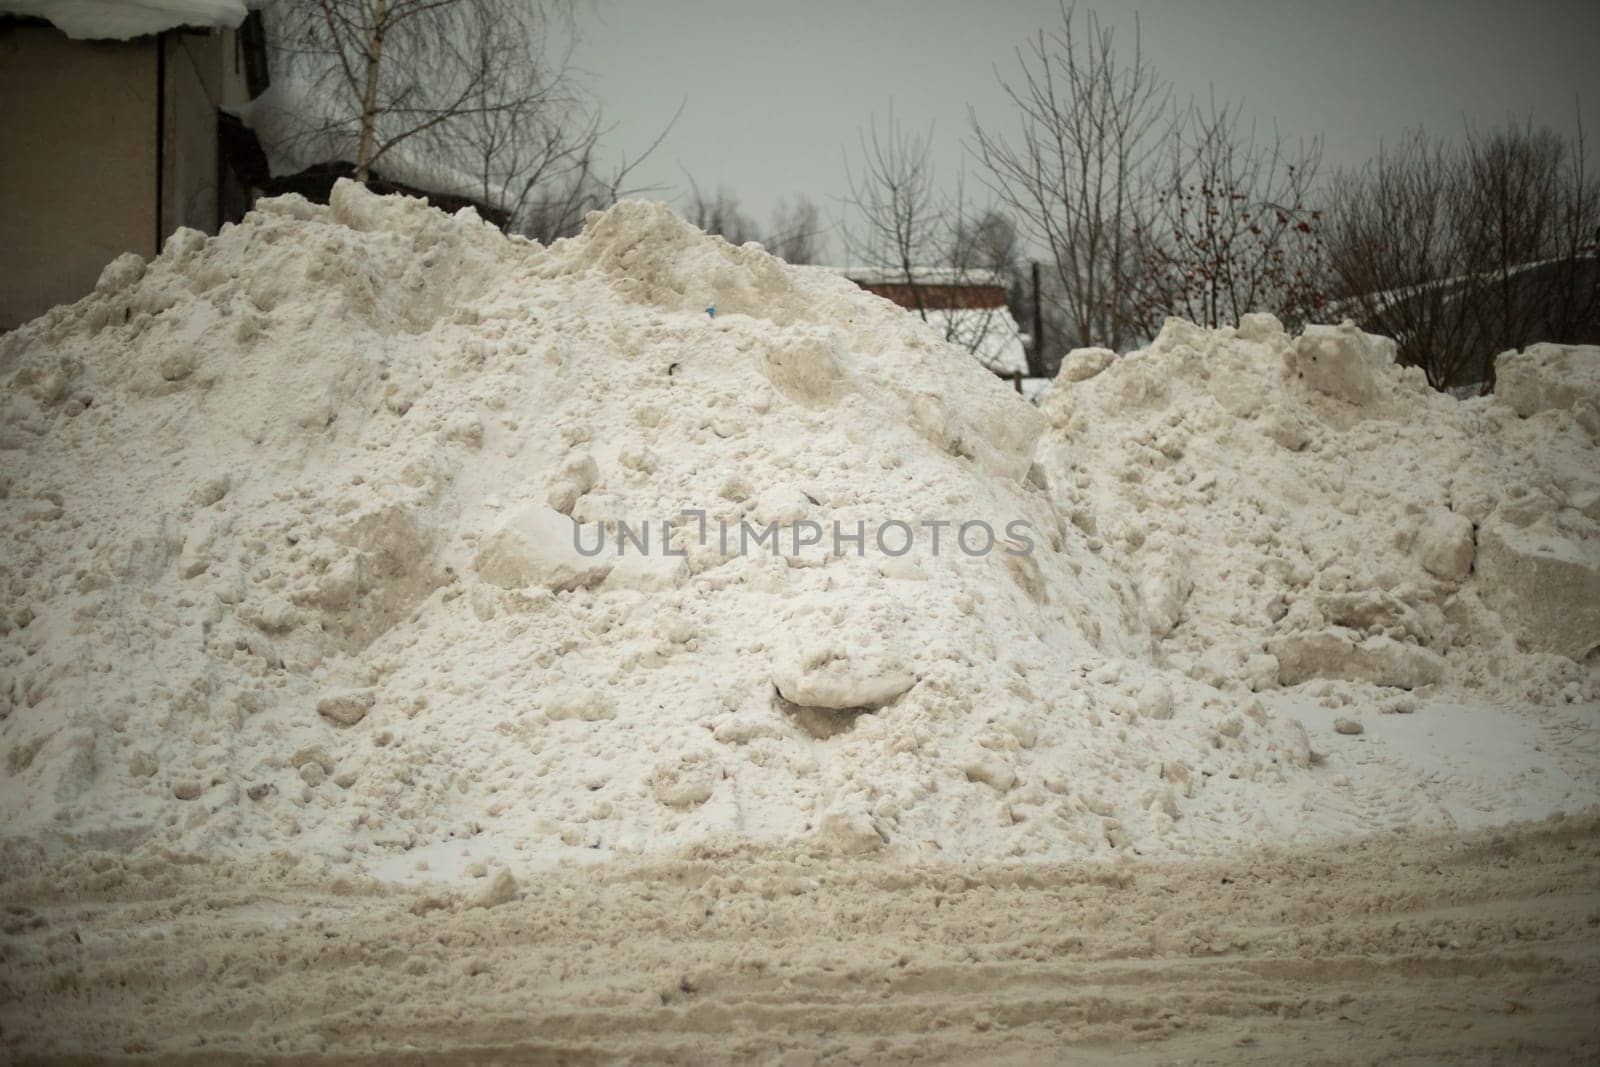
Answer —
776 91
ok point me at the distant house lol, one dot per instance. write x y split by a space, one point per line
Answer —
968 308
109 134
1533 277
124 121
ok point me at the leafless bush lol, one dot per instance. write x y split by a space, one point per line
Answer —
904 232
1074 173
1230 229
1463 251
796 233
718 213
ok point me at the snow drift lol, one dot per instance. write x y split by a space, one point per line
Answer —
1300 508
284 568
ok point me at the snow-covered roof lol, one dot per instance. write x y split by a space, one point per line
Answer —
122 20
1384 300
288 122
990 334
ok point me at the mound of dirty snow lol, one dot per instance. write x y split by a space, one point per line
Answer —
287 567
1302 509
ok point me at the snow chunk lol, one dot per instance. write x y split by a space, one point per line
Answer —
1547 377
535 546
686 780
1337 654
1545 584
346 707
1342 361
822 671
502 889
1444 545
1081 364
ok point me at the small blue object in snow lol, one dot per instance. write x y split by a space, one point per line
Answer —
711 310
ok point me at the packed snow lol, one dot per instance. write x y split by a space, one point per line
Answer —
1298 508
286 518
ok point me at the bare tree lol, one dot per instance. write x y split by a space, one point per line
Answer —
795 235
475 95
1073 173
1532 221
718 213
387 71
529 133
1230 230
557 208
1460 252
1394 253
558 179
922 246
985 252
899 225
987 241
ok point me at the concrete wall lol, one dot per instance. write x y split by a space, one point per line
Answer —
78 160
77 163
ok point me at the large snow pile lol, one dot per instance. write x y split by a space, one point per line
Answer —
287 567
1301 509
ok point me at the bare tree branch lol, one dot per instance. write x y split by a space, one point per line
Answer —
1074 171
1463 251
1230 230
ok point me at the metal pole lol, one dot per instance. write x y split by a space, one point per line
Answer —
1036 360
